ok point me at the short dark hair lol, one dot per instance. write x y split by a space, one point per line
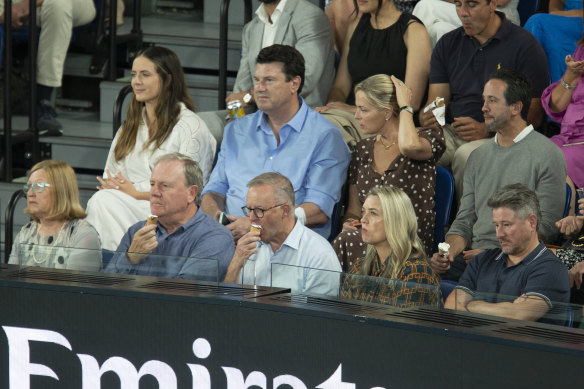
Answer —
518 88
518 198
292 61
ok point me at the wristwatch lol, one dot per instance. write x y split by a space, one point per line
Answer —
247 98
407 108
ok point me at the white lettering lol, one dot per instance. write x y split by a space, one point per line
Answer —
335 381
200 374
235 378
19 367
129 377
286 379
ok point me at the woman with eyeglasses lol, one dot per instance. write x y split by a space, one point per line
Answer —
160 120
58 236
394 269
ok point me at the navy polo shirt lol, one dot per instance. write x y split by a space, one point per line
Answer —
540 274
462 62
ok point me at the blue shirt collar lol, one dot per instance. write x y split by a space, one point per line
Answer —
296 123
191 223
532 256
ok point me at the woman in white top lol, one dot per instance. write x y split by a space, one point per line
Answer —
58 235
160 120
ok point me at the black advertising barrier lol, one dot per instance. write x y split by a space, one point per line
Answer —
65 329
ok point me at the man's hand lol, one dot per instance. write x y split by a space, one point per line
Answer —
239 226
470 254
575 274
336 105
469 129
246 247
19 11
427 119
570 224
440 264
239 96
144 243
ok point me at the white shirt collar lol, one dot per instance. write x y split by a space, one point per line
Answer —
263 15
519 136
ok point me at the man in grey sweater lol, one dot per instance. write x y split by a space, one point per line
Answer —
517 154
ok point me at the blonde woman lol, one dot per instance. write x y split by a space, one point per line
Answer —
395 154
58 235
394 269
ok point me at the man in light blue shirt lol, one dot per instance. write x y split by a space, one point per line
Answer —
188 243
286 136
284 253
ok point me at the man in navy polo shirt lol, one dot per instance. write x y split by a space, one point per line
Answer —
522 279
460 67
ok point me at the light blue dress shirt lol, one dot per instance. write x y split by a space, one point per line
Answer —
306 262
312 155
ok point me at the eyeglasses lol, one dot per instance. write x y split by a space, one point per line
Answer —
36 187
259 212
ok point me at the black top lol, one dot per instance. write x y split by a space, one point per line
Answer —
374 51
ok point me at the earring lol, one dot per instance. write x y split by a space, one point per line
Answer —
386 118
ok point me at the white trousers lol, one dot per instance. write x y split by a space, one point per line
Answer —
56 18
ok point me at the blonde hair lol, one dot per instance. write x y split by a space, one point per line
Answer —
65 197
401 226
380 92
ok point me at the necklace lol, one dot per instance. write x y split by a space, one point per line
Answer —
48 252
387 147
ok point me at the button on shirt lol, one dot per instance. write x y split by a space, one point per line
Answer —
312 155
305 262
200 249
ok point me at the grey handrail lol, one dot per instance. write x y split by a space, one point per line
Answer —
118 104
9 222
223 24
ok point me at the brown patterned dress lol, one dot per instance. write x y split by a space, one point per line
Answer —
416 178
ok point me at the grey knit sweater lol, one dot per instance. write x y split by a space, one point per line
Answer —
535 162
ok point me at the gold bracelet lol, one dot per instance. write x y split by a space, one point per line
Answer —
566 85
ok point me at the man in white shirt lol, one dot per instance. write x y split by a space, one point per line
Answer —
284 253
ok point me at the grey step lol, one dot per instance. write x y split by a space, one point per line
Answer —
203 90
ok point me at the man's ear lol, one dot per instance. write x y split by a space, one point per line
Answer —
192 193
516 108
532 221
296 83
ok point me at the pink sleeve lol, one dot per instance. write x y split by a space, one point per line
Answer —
545 102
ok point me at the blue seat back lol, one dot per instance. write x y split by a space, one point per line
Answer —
568 200
443 197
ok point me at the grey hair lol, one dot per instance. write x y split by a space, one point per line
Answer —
192 172
283 189
518 198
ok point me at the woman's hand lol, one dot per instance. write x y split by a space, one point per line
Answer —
350 225
402 92
570 224
336 105
574 70
118 182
